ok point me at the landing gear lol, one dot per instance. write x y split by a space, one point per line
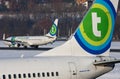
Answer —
18 45
34 46
9 46
25 46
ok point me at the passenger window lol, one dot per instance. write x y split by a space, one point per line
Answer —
48 74
38 74
4 77
19 75
57 74
9 76
34 75
24 75
29 76
52 73
43 74
14 76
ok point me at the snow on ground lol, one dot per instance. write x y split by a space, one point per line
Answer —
115 45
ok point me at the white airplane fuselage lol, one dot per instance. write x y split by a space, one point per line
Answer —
33 41
30 40
52 68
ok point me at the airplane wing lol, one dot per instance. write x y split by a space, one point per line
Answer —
105 62
17 42
12 41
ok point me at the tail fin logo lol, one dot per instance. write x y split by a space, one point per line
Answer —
95 32
53 30
95 21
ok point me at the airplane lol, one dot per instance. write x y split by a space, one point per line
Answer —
85 56
32 41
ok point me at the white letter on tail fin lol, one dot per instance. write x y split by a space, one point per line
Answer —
95 21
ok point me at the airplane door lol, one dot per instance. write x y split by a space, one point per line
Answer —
73 71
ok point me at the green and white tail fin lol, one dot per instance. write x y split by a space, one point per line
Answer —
53 29
94 34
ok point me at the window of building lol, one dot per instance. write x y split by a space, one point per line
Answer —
4 77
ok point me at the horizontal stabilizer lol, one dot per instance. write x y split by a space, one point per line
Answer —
105 62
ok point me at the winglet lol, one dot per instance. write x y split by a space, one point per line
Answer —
4 36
